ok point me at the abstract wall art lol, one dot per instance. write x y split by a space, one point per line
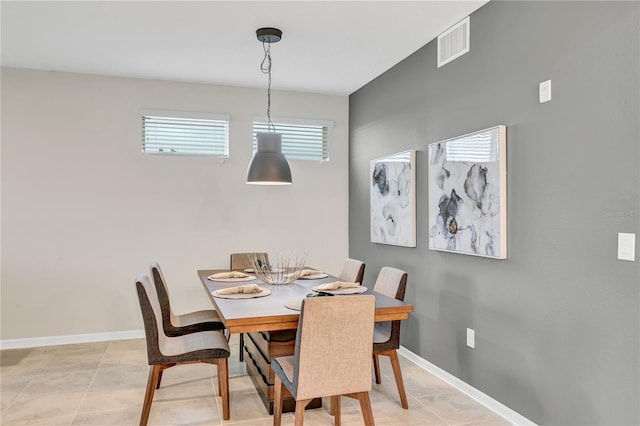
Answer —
468 194
393 199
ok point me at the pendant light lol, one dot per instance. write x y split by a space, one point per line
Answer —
268 165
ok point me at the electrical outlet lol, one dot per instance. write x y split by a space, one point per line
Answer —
627 246
471 338
544 91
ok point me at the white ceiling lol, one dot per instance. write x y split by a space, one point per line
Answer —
327 46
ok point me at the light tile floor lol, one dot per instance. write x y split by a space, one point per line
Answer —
104 384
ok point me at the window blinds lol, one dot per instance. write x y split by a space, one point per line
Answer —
184 135
299 141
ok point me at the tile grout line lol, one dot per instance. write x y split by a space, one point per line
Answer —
16 397
95 372
25 387
214 388
418 400
469 422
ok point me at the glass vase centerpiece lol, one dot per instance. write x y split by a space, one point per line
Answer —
283 268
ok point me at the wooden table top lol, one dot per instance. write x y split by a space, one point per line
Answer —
269 313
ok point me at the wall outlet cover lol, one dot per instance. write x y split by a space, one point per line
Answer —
545 91
471 338
627 246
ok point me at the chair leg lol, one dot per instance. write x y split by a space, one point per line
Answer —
223 386
376 368
159 379
277 401
241 347
300 405
162 368
365 406
154 374
395 364
335 409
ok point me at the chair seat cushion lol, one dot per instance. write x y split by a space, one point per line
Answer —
381 332
191 322
284 367
192 347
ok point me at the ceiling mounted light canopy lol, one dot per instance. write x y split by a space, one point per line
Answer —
268 165
269 35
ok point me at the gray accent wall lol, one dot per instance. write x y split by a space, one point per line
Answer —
557 323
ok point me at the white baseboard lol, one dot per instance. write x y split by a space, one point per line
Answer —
69 339
484 399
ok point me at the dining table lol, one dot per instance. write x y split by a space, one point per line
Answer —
270 322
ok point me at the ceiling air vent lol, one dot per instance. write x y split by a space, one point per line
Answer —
454 42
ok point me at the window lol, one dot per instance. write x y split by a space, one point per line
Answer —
301 139
184 133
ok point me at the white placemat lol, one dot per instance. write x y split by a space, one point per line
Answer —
352 290
264 292
295 304
232 280
314 277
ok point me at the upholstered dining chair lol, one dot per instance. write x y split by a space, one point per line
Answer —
164 351
191 322
332 356
352 271
240 262
391 282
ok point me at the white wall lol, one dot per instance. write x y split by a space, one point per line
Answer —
84 212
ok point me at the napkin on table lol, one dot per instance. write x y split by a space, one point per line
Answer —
307 272
242 289
336 285
230 274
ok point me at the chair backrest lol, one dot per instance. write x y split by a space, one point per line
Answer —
352 271
152 317
168 317
391 282
241 261
333 346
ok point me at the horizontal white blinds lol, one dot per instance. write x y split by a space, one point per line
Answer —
184 136
299 141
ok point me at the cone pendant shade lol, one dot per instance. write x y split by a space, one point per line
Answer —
268 165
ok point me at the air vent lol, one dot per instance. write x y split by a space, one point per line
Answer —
454 42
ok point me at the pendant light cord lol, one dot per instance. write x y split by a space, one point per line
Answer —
265 67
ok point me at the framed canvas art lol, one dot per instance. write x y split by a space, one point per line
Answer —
393 199
468 194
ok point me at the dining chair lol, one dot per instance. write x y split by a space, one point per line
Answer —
391 282
164 351
191 322
240 262
332 356
352 271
